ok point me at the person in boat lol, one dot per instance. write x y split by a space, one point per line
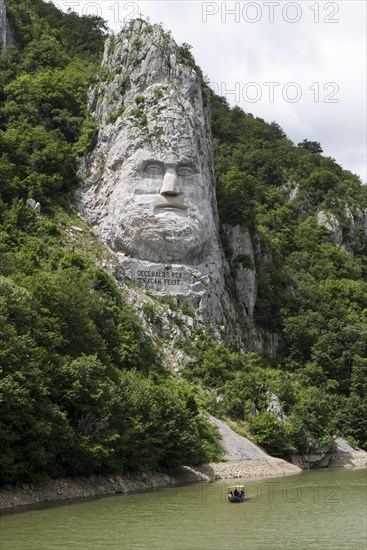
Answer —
236 493
242 493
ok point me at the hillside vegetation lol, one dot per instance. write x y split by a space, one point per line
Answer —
311 291
83 388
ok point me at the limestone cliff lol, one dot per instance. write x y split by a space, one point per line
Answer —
6 35
149 184
344 236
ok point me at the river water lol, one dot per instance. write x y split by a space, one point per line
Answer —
321 509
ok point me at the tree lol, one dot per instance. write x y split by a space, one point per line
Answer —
311 146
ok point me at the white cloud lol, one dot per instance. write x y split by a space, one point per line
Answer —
305 52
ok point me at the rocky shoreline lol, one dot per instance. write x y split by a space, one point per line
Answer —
17 498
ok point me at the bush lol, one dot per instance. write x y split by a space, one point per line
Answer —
270 434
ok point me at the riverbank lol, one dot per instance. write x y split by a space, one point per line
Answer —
16 498
243 460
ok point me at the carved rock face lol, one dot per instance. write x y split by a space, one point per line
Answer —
159 208
150 192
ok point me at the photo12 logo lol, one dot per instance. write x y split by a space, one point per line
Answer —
271 12
122 12
273 491
290 92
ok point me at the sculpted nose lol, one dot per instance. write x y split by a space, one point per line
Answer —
169 185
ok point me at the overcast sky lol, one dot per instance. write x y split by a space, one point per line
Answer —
301 64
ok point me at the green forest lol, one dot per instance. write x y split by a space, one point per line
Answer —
83 388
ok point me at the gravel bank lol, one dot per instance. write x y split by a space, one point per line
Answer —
235 446
249 468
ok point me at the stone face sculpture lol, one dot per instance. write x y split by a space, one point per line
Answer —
159 207
149 186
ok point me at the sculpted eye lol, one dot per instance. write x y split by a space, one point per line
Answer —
153 170
184 171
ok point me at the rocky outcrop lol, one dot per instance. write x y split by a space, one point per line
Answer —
36 206
275 407
342 456
349 232
308 461
332 224
242 260
149 185
346 456
6 34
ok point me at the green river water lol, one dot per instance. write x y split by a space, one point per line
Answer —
322 509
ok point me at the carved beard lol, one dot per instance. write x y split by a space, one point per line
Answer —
169 237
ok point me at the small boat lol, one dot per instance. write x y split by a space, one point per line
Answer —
235 498
236 493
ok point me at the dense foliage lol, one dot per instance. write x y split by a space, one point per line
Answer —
82 388
43 95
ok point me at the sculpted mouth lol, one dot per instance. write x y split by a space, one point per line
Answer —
170 207
170 204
